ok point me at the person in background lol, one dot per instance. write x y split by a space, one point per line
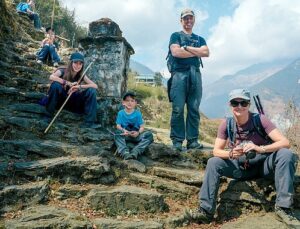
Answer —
130 125
48 48
272 160
186 49
28 8
83 99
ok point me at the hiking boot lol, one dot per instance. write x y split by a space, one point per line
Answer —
134 154
126 155
177 146
198 216
55 64
287 216
194 145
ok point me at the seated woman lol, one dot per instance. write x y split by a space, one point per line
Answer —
48 48
270 158
83 98
28 8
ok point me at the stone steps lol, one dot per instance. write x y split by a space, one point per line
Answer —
15 197
126 199
66 169
187 176
168 187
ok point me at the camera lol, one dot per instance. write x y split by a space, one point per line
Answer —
250 154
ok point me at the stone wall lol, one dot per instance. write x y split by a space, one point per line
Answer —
110 52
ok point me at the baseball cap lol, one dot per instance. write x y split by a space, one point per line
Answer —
129 93
239 94
187 12
76 56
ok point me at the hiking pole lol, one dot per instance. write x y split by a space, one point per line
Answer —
114 134
52 19
259 104
256 104
60 109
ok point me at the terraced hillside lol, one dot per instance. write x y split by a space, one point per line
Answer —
72 178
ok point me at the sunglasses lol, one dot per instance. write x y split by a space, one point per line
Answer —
243 103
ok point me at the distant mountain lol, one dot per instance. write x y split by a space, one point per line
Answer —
214 102
140 68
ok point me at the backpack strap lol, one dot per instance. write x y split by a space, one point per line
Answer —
259 127
231 130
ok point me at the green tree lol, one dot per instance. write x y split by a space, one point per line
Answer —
64 22
158 79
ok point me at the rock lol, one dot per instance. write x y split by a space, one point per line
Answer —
176 221
110 53
27 148
104 27
186 176
258 222
161 152
18 196
48 217
126 224
74 170
242 197
170 188
71 191
126 200
135 165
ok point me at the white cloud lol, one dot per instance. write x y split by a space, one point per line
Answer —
147 25
258 31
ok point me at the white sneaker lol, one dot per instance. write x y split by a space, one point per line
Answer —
55 64
39 61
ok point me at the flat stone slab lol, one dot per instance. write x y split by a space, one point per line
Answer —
237 198
46 148
187 176
71 191
170 188
23 195
126 224
126 200
135 165
74 170
258 222
48 217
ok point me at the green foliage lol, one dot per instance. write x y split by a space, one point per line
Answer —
64 20
158 79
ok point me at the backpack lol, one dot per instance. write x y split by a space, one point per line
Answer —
255 117
231 131
21 7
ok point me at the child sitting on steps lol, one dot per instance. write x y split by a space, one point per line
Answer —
130 125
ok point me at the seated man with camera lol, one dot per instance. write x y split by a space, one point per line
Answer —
249 155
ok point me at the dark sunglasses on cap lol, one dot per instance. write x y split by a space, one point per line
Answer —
243 103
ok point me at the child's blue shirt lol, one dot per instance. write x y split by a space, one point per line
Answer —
130 122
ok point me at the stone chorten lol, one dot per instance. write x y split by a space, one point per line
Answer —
110 52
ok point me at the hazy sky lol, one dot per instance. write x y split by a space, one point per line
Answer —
239 33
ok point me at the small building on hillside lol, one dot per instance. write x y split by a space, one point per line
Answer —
145 78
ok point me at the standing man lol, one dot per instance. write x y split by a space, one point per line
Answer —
186 50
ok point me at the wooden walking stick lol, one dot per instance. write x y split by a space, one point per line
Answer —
52 19
60 109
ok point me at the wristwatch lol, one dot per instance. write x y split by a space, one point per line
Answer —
185 47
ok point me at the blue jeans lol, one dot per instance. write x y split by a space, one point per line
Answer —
82 102
280 166
48 49
36 20
186 89
141 142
